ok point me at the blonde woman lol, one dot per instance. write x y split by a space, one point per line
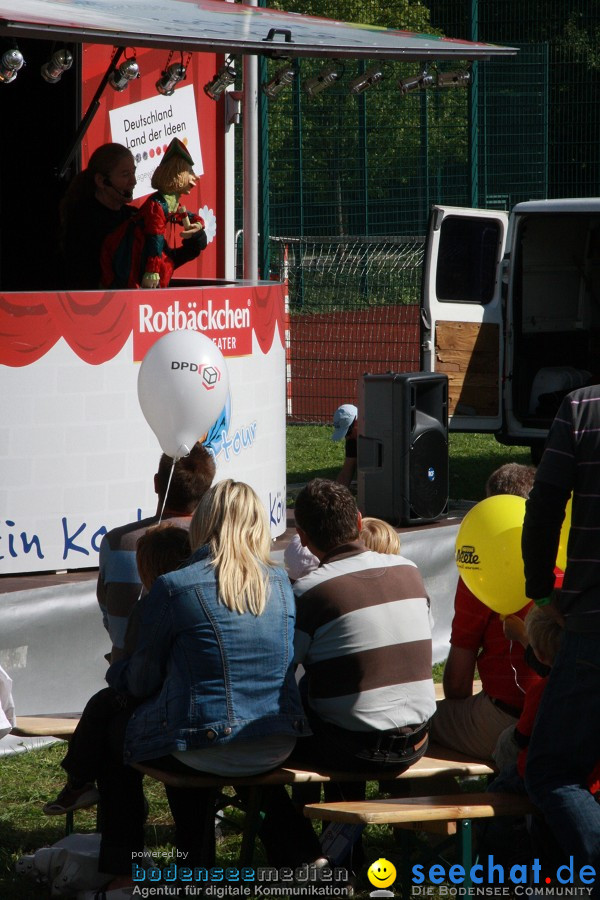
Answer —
214 662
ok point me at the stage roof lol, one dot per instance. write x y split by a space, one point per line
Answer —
221 26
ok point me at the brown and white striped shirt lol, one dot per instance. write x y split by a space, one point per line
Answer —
363 635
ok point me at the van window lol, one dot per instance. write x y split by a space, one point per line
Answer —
468 251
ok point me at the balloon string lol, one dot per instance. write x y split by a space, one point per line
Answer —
164 503
160 515
516 676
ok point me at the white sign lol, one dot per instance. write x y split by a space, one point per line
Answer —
148 127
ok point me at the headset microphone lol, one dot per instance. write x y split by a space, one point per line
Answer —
127 195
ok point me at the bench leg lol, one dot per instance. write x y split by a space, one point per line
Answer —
252 818
464 836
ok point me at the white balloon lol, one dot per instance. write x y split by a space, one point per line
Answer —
182 387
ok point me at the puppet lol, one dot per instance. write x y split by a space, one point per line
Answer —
138 253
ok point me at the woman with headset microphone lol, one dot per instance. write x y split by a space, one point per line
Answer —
94 204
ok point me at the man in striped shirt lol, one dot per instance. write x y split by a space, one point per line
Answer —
363 636
565 744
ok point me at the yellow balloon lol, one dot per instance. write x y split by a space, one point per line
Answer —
561 556
488 553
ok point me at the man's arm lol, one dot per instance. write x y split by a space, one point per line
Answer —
544 514
347 471
459 672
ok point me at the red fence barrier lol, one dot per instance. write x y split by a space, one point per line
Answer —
329 352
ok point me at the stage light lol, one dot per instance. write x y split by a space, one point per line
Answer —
416 82
171 76
127 71
221 81
461 78
279 81
368 79
60 61
326 77
10 63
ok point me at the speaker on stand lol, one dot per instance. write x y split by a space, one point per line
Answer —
403 447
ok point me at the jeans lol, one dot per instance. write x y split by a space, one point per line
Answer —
565 746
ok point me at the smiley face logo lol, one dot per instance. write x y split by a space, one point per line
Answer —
381 873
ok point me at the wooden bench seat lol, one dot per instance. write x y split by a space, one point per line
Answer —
45 726
450 814
438 761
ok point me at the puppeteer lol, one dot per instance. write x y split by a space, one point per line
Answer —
141 252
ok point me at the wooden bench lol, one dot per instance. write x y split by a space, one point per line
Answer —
61 727
448 814
438 761
46 726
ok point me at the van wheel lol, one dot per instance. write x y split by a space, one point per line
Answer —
537 448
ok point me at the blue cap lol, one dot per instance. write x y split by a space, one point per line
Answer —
343 418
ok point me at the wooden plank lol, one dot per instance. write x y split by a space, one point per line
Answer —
482 336
44 726
438 761
422 809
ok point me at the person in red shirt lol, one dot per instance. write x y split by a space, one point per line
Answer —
472 723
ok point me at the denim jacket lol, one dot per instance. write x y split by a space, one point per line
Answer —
209 675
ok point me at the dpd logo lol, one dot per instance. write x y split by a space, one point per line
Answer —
210 375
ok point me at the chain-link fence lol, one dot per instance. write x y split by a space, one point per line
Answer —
350 179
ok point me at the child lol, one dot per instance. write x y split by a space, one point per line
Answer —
507 838
379 536
161 549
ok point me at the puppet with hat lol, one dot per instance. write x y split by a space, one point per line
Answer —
142 251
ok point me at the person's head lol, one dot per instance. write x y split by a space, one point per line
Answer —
543 633
344 421
109 177
231 519
175 174
326 515
511 478
112 168
192 476
379 536
161 549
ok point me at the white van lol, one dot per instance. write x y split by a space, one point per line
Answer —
511 313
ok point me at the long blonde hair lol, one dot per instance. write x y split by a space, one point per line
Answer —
232 520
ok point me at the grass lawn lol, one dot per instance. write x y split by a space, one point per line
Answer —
29 779
472 458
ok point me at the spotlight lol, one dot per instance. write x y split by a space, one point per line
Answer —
326 77
59 62
368 79
461 78
10 63
280 79
127 71
416 82
171 76
224 77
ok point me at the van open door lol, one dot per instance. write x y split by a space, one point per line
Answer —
462 312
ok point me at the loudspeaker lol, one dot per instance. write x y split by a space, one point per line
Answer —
403 447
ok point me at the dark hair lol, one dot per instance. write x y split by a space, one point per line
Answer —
511 478
327 512
192 477
161 549
83 186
